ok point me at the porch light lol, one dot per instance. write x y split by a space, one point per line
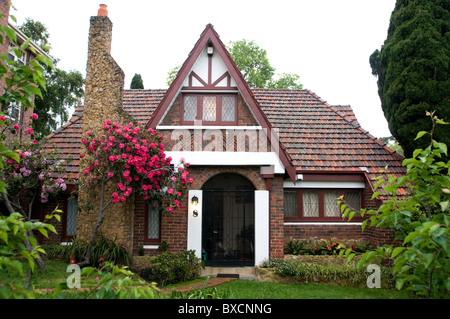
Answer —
195 203
210 50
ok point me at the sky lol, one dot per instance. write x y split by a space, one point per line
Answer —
327 42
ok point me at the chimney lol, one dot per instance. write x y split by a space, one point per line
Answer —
104 78
103 100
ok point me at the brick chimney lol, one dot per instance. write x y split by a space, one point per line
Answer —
103 100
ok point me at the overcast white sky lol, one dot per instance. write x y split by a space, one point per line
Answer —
326 42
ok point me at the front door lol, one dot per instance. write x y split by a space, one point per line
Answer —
228 224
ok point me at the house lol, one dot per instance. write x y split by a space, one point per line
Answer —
16 112
268 165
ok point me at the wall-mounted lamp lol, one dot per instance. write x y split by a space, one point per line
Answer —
194 201
210 50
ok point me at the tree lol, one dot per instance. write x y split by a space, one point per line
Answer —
22 83
420 220
131 159
63 90
413 70
255 67
136 82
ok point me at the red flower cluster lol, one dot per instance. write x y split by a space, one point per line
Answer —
138 160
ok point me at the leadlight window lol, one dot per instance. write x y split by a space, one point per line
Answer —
153 222
72 213
319 204
212 109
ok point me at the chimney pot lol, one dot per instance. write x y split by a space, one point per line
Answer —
102 11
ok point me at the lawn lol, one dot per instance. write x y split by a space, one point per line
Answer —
236 289
247 289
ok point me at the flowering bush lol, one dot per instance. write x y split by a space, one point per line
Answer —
35 174
134 159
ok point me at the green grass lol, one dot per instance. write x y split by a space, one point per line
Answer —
236 289
247 289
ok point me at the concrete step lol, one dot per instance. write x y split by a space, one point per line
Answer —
234 272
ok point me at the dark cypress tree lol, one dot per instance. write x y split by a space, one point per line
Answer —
136 82
413 70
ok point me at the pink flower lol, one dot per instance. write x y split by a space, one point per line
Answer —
16 127
2 118
190 180
34 116
110 174
170 191
29 131
108 122
34 141
88 133
170 209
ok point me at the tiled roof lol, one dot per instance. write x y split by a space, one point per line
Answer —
320 137
316 136
67 141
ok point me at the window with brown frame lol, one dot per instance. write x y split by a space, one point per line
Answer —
320 204
152 230
70 218
211 109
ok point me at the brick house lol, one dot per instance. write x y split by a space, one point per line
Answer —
268 165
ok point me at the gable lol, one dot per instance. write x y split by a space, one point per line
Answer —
204 74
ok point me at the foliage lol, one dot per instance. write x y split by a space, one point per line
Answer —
13 238
255 67
22 83
169 268
138 160
132 159
323 246
63 89
104 250
37 175
333 274
212 293
113 282
136 82
419 220
413 70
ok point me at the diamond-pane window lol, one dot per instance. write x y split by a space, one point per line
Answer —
228 108
353 199
190 108
72 211
290 204
209 108
310 204
153 220
331 207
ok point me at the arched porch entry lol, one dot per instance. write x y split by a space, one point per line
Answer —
228 221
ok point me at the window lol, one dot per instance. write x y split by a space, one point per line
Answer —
212 109
71 217
12 111
319 204
16 54
153 223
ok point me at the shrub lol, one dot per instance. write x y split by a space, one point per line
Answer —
104 250
170 268
350 275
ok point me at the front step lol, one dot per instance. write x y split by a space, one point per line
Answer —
234 272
